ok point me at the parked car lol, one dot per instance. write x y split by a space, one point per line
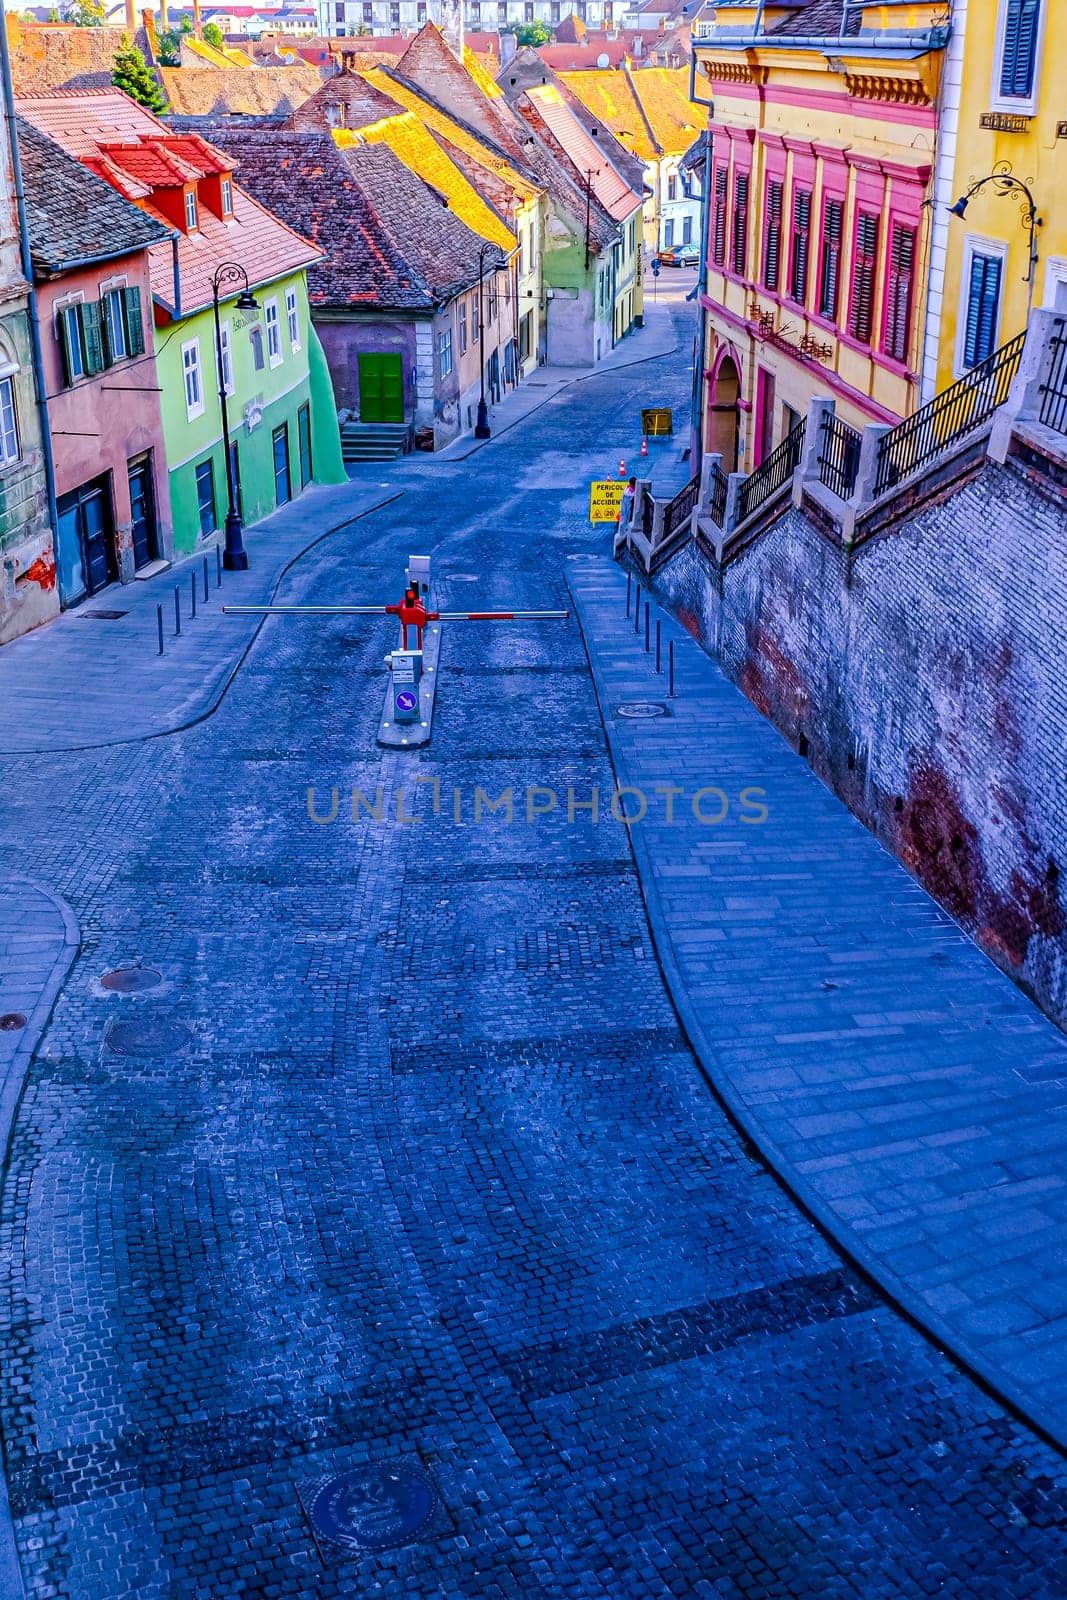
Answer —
681 255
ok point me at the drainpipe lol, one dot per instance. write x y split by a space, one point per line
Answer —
696 449
174 239
27 271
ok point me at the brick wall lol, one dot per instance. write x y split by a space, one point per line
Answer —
922 675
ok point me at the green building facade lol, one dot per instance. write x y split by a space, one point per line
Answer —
281 411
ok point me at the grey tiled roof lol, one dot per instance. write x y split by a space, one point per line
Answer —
829 19
74 217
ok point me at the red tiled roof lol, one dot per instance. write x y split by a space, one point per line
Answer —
122 142
613 193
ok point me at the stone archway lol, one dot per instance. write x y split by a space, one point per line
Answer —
724 412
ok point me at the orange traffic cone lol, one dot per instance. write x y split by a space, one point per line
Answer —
644 447
622 469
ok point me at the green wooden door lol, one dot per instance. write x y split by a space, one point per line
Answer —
381 388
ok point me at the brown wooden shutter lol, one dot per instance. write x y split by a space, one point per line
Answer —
772 256
861 322
740 224
899 294
798 287
832 223
718 247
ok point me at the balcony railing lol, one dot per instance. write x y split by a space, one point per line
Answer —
949 417
717 487
1053 411
774 473
681 507
839 456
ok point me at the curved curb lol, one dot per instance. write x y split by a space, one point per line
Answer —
11 1090
224 687
903 1299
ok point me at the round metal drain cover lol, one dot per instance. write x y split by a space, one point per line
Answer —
462 577
373 1507
11 1021
131 980
148 1037
642 709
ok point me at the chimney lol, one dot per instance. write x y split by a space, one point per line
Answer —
452 26
148 17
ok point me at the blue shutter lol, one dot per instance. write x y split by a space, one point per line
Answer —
983 301
1020 48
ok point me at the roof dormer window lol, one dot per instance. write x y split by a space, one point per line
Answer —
191 221
226 190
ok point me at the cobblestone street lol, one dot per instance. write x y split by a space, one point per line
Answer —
405 1161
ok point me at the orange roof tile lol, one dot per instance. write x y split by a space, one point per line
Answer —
613 193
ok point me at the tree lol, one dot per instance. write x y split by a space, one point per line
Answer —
85 13
530 33
170 44
213 35
133 75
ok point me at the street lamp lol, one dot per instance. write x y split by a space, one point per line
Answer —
1005 182
482 429
234 555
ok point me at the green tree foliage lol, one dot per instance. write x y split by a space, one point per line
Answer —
132 74
170 44
85 13
213 35
531 33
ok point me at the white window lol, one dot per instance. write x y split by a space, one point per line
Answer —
1055 274
9 427
226 348
227 197
190 208
255 339
1017 58
463 328
69 331
194 387
292 316
444 352
274 338
115 325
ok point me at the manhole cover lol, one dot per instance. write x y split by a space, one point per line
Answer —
642 709
148 1037
462 577
131 980
12 1020
372 1507
101 615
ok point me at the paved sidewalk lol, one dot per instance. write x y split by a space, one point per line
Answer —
86 671
657 338
903 1088
38 941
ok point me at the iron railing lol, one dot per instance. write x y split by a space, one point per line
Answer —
680 507
949 417
1054 389
774 473
717 485
839 456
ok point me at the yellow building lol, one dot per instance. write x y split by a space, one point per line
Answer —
818 248
1002 119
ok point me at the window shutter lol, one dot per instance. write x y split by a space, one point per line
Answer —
862 320
740 231
93 338
719 239
832 223
898 299
982 302
1019 56
64 323
773 253
801 229
134 324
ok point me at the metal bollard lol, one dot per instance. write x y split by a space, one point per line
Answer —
658 639
218 567
637 611
670 669
177 611
159 626
192 590
647 624
629 583
205 580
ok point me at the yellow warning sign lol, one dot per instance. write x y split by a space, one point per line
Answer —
605 499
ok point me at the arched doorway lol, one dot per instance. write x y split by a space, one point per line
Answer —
724 412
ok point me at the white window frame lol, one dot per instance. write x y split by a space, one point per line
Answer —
113 301
975 244
1055 273
226 377
226 193
10 443
1014 103
63 321
193 408
273 326
444 343
292 317
192 210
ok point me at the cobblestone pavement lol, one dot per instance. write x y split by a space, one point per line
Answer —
404 1161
